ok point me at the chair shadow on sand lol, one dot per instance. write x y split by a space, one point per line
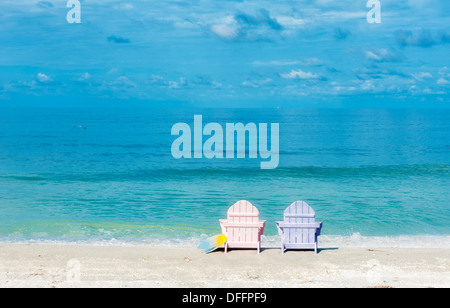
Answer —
300 252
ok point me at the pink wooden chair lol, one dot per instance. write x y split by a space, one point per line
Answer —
243 227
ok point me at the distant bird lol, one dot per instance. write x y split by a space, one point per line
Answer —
80 126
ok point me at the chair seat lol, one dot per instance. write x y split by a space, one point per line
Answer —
299 245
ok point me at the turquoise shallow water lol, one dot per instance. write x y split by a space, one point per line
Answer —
373 173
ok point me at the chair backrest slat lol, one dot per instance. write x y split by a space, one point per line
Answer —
300 213
242 215
289 225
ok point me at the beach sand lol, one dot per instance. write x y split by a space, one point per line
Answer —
59 266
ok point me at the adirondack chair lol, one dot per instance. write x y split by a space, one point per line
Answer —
243 227
299 230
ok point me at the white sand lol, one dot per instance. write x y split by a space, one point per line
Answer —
41 265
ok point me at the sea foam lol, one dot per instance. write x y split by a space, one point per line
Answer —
325 242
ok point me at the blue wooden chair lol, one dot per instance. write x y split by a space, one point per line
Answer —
299 230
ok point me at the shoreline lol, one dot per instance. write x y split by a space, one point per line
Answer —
355 240
69 265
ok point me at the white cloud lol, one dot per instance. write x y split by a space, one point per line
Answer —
444 70
123 6
256 83
300 74
306 62
122 82
311 62
225 31
217 85
84 77
156 79
336 16
368 85
257 26
382 55
422 76
443 81
173 85
372 56
431 91
275 63
344 88
177 85
43 78
291 22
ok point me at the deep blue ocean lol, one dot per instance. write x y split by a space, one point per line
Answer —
108 176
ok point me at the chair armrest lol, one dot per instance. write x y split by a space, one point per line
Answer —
280 230
262 224
223 226
319 228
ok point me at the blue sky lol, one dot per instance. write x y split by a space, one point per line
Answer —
218 53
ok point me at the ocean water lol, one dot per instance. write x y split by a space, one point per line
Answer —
108 176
